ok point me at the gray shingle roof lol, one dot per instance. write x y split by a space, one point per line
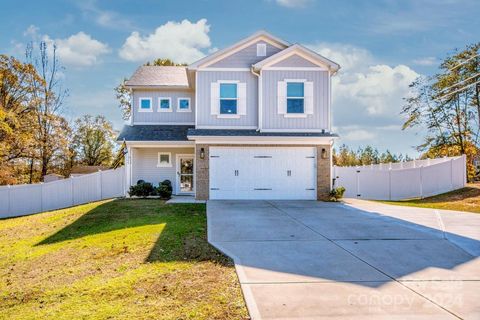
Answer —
159 76
154 133
254 133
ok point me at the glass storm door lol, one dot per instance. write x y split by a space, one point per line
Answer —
185 174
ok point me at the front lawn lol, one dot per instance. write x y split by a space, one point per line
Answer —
465 199
120 259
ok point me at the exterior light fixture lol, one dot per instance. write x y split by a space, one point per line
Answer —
202 153
324 153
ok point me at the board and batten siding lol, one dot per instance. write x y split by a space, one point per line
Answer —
271 119
204 116
163 117
295 61
245 57
144 165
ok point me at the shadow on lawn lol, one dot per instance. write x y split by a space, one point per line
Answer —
183 237
456 195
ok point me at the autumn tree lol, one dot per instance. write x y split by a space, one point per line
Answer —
17 103
447 106
94 140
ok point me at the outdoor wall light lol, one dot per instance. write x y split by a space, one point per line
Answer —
324 153
202 153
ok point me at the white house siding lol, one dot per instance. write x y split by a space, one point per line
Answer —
245 57
271 119
144 165
295 61
163 117
204 116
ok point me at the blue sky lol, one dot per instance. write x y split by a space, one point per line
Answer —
381 45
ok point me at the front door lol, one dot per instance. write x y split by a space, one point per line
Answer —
185 174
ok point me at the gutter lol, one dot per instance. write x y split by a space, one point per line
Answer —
259 76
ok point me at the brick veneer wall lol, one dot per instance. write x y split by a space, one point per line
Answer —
202 186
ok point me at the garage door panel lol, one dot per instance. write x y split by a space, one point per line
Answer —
262 173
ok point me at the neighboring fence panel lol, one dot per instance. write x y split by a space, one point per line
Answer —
20 200
396 181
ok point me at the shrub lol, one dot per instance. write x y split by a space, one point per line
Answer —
337 193
141 189
140 181
167 183
165 189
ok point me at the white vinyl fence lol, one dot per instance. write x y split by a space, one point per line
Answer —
18 200
397 181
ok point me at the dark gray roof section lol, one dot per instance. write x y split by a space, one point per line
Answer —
254 133
154 133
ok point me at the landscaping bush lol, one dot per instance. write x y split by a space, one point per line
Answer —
141 189
165 189
337 193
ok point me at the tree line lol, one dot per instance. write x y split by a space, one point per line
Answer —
35 137
346 157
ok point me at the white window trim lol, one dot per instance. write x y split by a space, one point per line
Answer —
189 104
296 115
140 104
160 165
170 109
227 115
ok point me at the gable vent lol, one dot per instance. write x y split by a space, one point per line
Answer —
261 49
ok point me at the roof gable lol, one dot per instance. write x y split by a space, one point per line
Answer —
300 51
242 44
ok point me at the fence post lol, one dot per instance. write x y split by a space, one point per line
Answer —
99 184
451 174
357 171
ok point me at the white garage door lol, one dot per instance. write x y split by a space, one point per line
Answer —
263 173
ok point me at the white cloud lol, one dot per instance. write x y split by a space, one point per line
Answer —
349 57
105 18
426 61
368 97
293 3
78 50
178 41
31 31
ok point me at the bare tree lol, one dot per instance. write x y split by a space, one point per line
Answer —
50 95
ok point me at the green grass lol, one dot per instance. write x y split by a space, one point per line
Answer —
465 199
122 259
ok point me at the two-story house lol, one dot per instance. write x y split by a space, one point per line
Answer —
251 121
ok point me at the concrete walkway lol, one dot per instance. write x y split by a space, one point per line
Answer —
360 260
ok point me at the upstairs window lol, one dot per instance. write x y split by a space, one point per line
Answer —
164 104
145 104
295 97
261 50
183 105
228 98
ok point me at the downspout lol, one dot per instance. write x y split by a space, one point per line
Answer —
259 91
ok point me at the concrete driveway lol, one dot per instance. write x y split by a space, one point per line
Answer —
360 260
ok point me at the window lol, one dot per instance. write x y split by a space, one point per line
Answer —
145 104
183 105
164 104
295 97
164 159
228 98
261 50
